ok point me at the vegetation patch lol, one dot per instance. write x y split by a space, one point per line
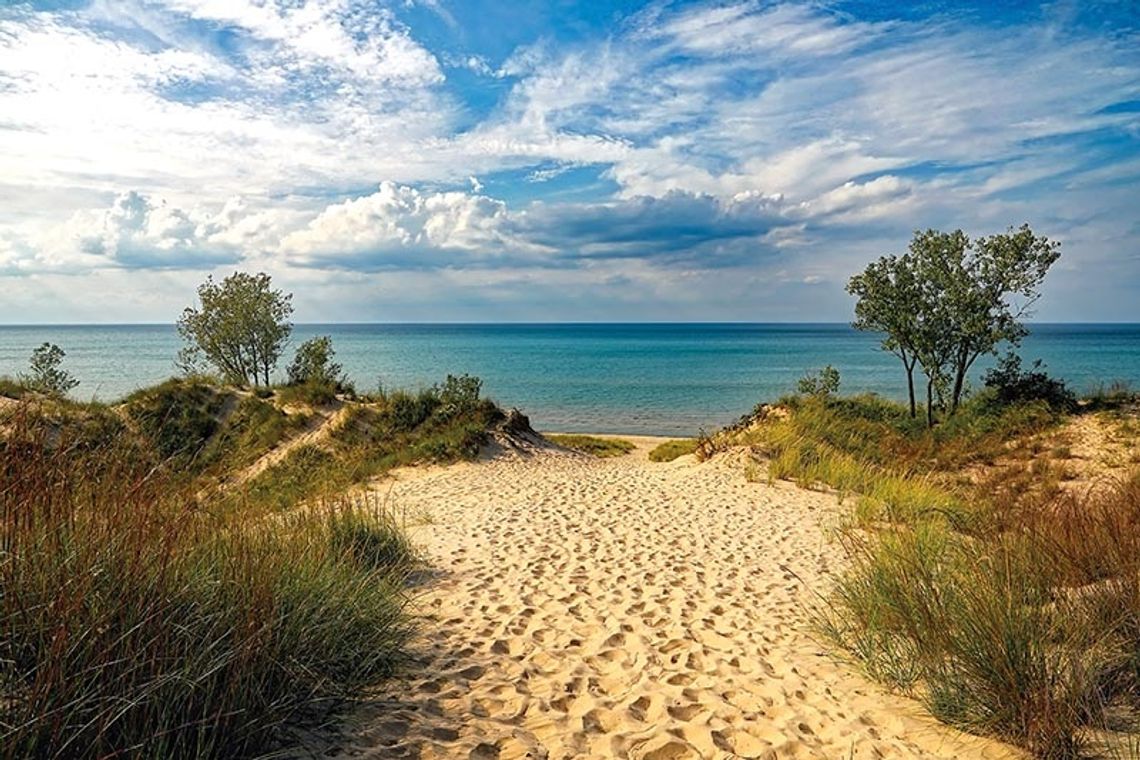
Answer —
670 450
1006 605
592 445
135 622
442 424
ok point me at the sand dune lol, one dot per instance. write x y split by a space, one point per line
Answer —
622 608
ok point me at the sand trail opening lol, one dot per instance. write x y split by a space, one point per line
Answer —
587 608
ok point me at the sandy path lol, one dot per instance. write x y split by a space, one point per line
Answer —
622 608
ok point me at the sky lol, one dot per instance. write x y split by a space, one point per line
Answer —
517 160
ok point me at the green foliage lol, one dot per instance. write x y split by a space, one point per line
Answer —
137 624
1030 634
588 444
240 328
950 300
407 411
370 537
821 384
1008 613
44 373
460 393
313 375
670 450
1012 385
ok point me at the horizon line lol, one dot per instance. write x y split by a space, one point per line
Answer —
522 323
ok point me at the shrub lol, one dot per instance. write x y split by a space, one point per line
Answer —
407 411
1012 385
44 373
314 372
821 384
178 416
461 391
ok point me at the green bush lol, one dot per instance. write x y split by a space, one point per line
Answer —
821 384
177 417
407 411
1012 385
44 373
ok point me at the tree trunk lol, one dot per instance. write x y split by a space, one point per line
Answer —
959 381
910 390
930 403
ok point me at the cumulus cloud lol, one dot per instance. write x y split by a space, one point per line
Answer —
400 227
137 231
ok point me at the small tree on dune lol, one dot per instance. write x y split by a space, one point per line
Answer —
240 327
44 373
313 364
889 294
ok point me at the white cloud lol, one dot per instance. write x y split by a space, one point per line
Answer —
401 227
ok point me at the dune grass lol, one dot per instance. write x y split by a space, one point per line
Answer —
588 444
133 622
1008 606
11 388
670 450
392 430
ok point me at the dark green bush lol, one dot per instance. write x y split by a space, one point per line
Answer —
1012 385
407 411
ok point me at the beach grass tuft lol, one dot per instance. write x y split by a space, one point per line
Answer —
138 621
593 445
670 450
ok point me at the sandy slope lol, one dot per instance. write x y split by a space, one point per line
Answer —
622 608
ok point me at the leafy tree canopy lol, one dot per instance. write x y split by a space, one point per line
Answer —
240 327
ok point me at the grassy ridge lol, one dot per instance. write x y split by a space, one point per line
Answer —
1008 606
391 430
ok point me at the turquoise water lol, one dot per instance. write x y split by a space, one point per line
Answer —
663 379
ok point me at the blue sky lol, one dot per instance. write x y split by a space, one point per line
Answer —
439 160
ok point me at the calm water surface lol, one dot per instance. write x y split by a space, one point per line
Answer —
664 379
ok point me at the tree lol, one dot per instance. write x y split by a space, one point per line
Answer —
240 328
45 374
980 291
950 300
888 302
313 364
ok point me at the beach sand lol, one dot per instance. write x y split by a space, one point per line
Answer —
611 608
